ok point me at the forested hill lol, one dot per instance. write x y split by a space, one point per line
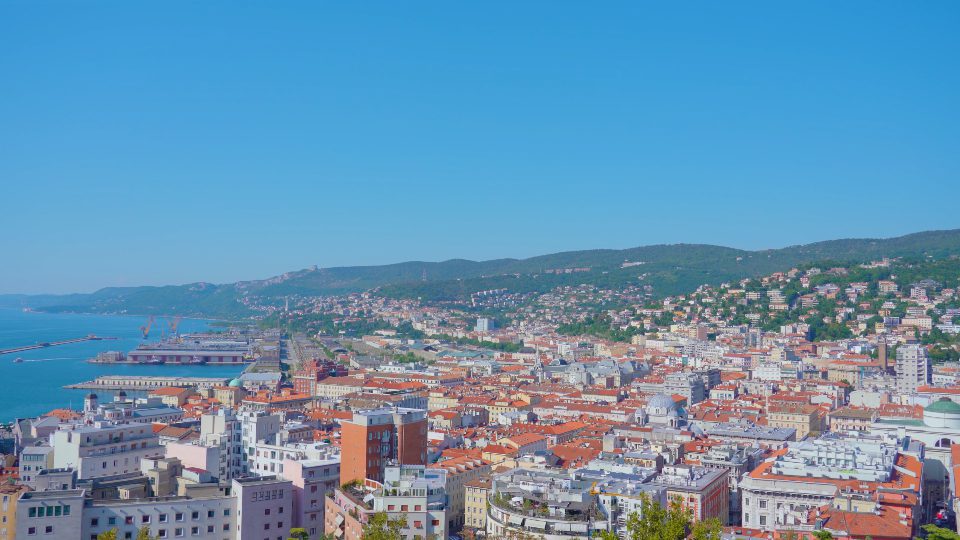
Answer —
667 269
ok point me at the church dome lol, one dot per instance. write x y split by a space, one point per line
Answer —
944 405
661 402
236 383
943 413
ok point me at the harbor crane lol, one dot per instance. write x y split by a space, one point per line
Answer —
146 328
174 323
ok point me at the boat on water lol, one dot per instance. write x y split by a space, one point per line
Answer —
18 360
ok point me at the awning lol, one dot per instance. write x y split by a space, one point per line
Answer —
536 523
340 519
516 520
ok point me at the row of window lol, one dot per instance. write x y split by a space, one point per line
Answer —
178 532
161 518
55 510
266 495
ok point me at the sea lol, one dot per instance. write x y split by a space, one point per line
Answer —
35 386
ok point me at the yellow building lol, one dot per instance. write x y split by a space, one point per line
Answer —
476 493
502 406
804 418
8 510
460 472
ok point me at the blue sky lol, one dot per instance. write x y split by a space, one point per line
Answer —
171 142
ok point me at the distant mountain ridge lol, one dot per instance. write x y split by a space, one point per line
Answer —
668 269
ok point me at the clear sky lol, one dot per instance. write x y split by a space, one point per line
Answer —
171 142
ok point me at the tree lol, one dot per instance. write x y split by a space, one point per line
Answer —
678 519
144 533
108 535
298 533
708 529
823 535
939 533
382 527
654 522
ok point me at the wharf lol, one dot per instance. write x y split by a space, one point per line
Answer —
46 344
148 382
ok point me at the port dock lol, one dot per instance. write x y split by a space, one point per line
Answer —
132 382
46 344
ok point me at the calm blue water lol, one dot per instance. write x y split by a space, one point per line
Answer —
35 386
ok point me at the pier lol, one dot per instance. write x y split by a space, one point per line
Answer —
46 344
145 382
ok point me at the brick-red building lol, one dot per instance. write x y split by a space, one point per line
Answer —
374 438
305 379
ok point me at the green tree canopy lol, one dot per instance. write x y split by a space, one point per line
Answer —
382 527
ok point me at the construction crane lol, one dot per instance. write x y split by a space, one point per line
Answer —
146 328
174 323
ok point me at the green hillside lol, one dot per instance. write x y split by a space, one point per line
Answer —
668 269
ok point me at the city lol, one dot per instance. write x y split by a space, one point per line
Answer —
426 270
813 400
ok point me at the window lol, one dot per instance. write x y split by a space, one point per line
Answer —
162 518
763 520
266 512
226 526
145 518
279 524
416 508
195 515
210 529
763 503
128 535
226 511
194 531
313 489
32 530
266 526
280 510
128 520
66 509
112 521
162 533
178 531
94 522
210 513
178 516
48 529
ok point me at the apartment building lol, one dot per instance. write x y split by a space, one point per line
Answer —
912 368
475 497
375 438
104 448
460 472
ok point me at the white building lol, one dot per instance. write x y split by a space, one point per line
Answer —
168 517
913 368
256 426
103 448
50 514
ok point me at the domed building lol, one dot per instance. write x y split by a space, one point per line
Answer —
662 410
943 413
236 383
